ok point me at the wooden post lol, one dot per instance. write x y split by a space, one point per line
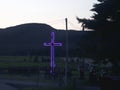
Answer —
66 66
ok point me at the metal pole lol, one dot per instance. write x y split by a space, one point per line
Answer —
66 21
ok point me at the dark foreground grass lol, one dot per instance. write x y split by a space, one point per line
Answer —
72 85
48 88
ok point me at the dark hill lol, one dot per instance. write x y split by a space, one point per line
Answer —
21 39
30 26
29 38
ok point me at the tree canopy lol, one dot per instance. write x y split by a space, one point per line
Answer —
106 16
106 22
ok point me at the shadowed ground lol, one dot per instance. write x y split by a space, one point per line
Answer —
6 84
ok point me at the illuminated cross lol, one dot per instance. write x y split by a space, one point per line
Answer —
52 44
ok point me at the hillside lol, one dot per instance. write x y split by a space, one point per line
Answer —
21 39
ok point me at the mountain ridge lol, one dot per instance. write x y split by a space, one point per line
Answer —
29 38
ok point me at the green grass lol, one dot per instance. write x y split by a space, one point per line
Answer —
18 61
18 77
22 64
25 61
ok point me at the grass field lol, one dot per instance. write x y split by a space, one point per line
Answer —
29 62
7 62
25 61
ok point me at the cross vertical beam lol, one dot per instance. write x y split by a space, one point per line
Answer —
52 44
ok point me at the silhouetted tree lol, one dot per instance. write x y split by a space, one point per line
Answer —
105 18
106 22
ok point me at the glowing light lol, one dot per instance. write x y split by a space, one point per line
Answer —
52 44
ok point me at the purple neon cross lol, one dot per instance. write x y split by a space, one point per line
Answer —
52 44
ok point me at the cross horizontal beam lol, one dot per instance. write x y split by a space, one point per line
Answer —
51 45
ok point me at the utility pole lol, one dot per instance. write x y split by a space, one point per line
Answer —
66 62
82 71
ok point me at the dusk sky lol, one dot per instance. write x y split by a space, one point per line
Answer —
52 12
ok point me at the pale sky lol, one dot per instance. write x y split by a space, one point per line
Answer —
52 12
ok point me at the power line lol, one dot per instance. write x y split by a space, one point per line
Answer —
55 21
60 23
73 25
